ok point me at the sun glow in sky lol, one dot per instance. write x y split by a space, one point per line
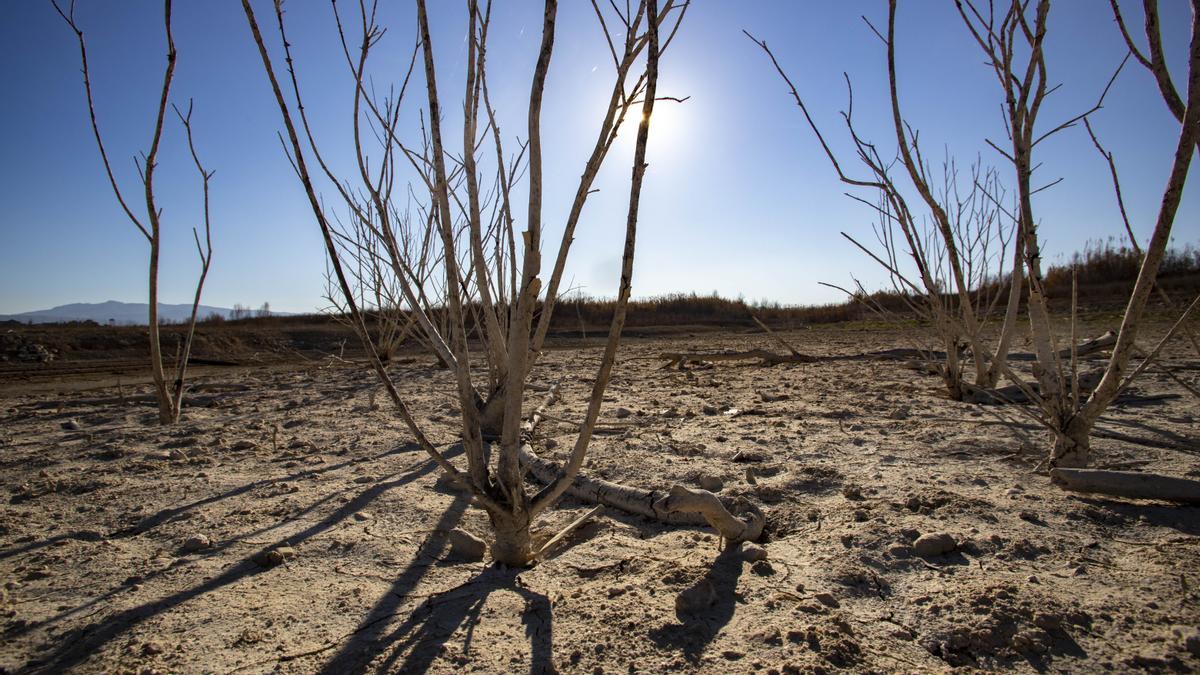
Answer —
738 197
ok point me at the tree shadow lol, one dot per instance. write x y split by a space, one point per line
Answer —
166 515
419 639
1165 439
75 646
704 608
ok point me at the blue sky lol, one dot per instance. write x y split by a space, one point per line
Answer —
738 198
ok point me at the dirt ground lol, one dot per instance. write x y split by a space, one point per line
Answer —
289 524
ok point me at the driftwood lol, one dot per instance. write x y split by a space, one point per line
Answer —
656 504
1128 484
730 527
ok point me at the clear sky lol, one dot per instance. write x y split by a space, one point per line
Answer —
738 198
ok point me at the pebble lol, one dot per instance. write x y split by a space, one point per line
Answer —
195 543
622 413
466 546
711 483
827 599
71 425
753 552
709 409
364 479
934 544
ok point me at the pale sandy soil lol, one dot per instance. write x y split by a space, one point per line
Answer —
852 460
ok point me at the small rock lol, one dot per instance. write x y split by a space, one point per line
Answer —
1188 638
275 556
152 648
622 413
900 413
361 516
753 552
747 456
195 543
934 544
762 568
244 444
900 551
827 599
466 546
732 654
773 396
709 409
1047 622
362 480
770 635
71 425
711 483
852 492
696 598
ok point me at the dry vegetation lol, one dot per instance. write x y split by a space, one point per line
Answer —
465 469
287 523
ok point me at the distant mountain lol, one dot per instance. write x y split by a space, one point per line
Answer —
122 313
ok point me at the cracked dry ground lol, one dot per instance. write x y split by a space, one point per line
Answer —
288 525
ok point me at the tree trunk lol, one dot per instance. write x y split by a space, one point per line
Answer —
512 545
1072 446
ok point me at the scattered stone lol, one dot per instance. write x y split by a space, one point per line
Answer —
275 556
1031 517
71 425
773 396
934 544
732 654
361 516
852 492
622 413
696 598
763 568
827 599
152 648
466 546
770 635
244 444
195 543
900 551
753 552
900 413
711 483
709 409
1188 638
743 456
750 476
362 480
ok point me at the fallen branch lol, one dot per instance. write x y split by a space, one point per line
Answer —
1128 484
680 506
730 527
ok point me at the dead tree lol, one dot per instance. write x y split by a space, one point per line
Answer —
489 283
168 388
957 261
1013 44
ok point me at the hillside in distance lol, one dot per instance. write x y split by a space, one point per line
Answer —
120 313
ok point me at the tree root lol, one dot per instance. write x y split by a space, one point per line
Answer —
698 507
730 527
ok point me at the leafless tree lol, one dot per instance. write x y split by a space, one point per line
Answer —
168 389
1013 39
477 280
958 252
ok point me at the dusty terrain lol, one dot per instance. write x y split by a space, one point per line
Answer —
289 524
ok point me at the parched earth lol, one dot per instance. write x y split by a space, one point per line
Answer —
290 524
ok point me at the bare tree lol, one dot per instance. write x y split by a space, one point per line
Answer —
958 253
477 281
1013 42
168 389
